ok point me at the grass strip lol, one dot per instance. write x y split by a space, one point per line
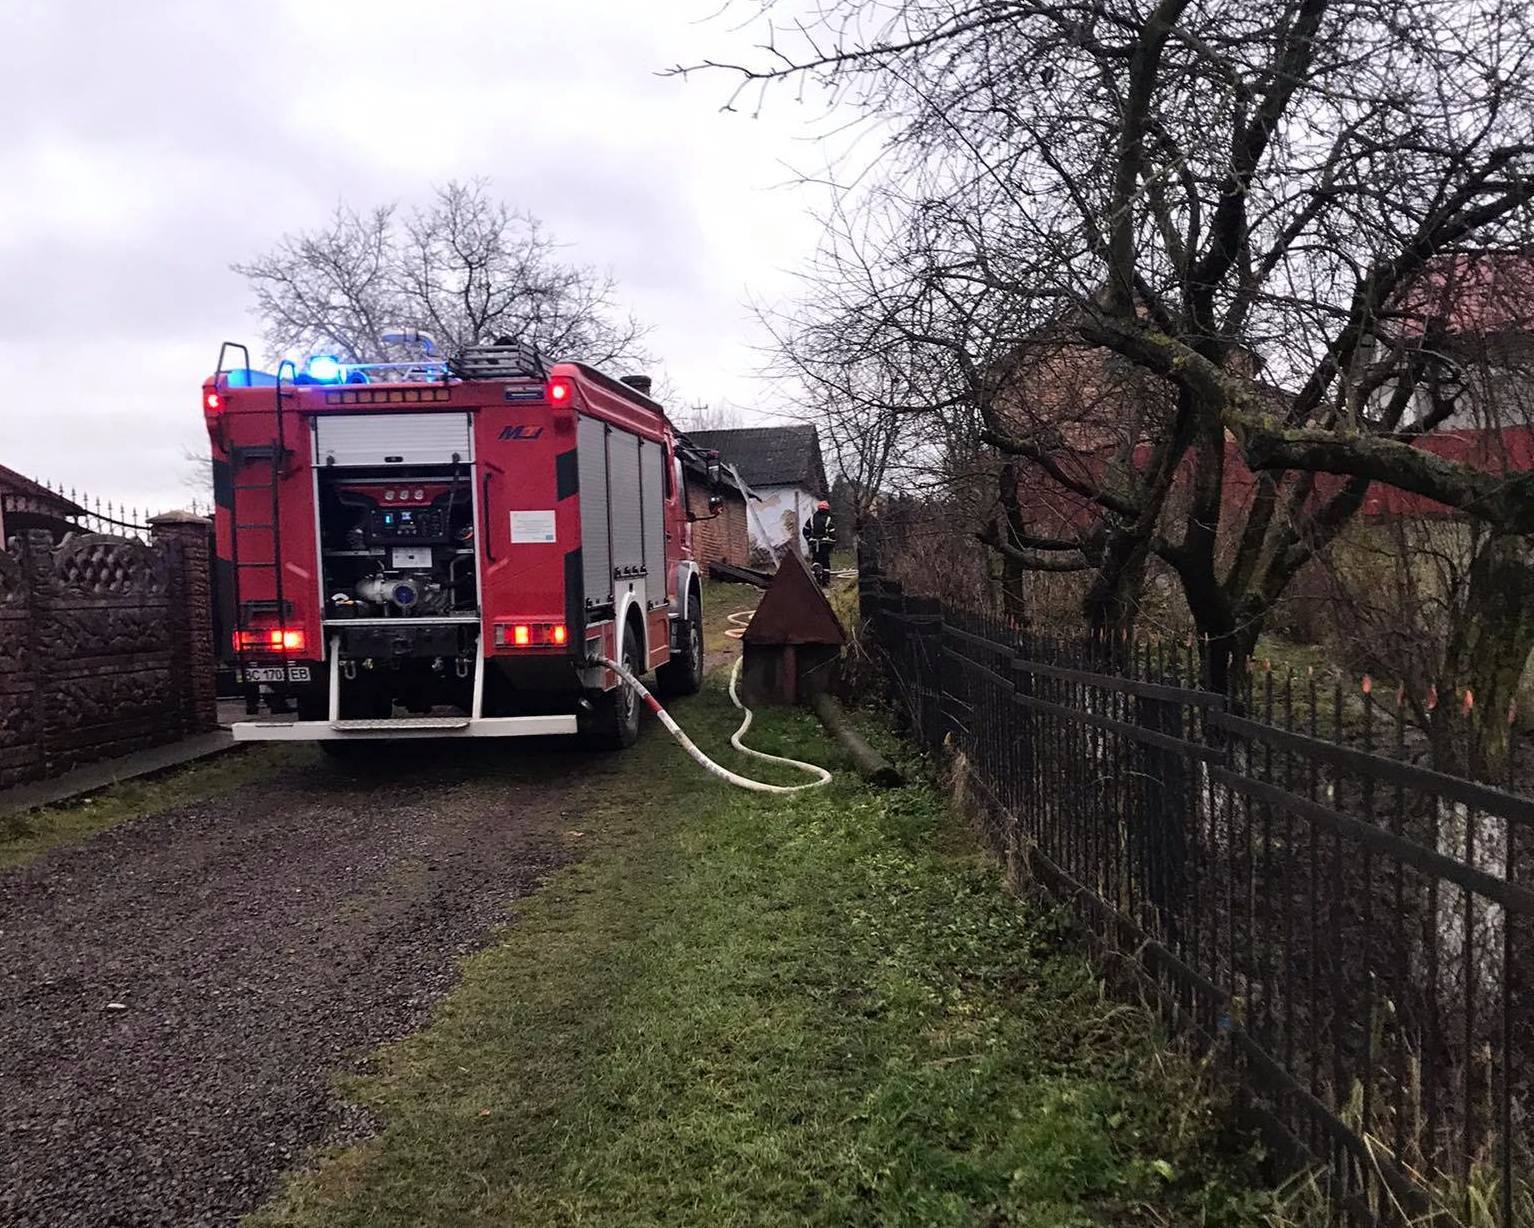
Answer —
741 1010
29 834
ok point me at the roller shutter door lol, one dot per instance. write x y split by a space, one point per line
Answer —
650 456
591 465
392 439
623 493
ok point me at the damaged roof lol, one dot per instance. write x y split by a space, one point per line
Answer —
770 455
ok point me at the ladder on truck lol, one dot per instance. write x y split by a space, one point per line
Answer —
256 471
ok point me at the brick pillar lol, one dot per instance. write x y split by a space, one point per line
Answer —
23 706
186 541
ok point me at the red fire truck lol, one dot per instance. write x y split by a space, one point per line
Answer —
441 549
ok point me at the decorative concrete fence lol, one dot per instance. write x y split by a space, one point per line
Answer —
106 645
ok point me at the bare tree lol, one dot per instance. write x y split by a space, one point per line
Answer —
197 474
849 398
704 416
464 268
1227 203
1454 593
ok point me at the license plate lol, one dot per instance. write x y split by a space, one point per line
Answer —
275 673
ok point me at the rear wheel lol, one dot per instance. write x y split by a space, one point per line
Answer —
614 721
683 674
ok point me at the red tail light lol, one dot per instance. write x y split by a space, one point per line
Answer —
269 639
214 401
560 392
532 635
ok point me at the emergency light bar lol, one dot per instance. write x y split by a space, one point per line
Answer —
387 396
328 369
325 369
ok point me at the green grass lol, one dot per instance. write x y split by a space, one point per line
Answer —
1307 666
720 600
744 1010
30 834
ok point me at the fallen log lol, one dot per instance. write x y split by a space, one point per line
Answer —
871 765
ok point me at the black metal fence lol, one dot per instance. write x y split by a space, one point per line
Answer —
1352 929
63 512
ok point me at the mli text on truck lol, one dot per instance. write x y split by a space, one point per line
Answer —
446 549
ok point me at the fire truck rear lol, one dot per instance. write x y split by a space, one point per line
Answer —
443 549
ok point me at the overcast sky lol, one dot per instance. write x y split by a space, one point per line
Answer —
147 145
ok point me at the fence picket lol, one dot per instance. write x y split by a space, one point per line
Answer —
1347 922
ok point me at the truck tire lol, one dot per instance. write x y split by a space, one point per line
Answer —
683 674
614 722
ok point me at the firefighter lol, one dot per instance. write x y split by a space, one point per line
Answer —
820 536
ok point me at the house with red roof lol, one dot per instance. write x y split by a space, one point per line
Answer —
1476 308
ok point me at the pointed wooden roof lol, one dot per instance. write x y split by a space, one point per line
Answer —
794 610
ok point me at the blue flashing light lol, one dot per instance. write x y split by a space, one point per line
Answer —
239 377
324 369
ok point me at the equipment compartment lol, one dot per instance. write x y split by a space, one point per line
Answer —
397 543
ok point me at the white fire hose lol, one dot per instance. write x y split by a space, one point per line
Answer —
687 744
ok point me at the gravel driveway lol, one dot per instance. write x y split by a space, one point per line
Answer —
176 994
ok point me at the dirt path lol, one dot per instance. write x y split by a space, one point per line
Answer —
720 601
176 994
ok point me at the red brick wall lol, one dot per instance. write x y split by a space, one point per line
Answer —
722 539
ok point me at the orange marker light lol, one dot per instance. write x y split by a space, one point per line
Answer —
560 635
521 635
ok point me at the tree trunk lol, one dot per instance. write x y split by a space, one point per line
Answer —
1014 600
1112 604
1227 630
1223 659
1014 576
1489 646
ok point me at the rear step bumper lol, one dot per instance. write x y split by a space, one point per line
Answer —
277 730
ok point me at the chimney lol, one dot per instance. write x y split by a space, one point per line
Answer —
639 383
